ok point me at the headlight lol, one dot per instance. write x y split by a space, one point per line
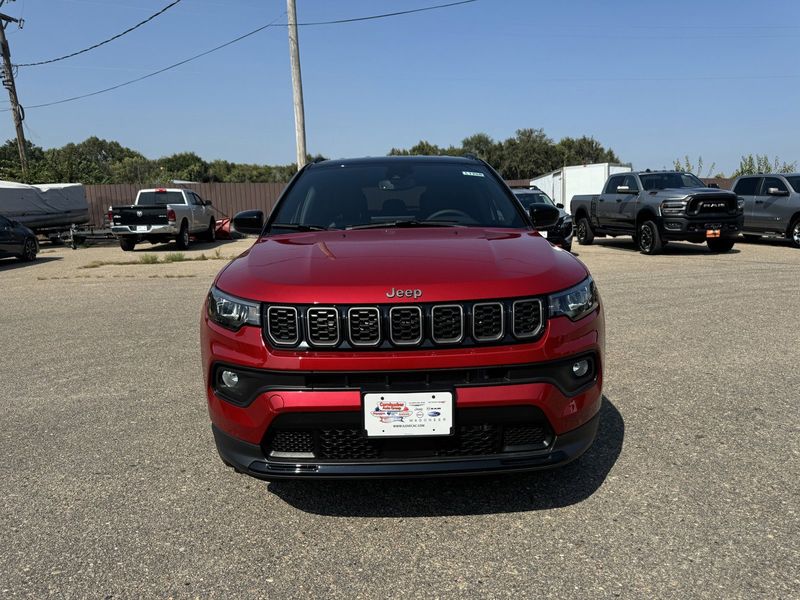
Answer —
673 207
231 312
576 302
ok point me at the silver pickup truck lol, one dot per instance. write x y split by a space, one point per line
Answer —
771 205
160 215
655 207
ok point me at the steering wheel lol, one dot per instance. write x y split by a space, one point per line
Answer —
449 211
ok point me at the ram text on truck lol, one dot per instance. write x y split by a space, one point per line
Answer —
161 215
401 316
655 207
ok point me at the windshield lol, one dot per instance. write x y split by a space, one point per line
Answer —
396 193
794 181
663 181
528 198
156 198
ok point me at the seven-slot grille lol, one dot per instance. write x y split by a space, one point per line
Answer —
404 326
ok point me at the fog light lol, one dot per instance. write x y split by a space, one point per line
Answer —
231 379
580 368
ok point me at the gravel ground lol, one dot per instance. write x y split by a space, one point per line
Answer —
111 486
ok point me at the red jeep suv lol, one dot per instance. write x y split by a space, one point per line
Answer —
401 316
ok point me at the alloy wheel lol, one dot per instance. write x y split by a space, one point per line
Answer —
796 234
645 238
30 249
581 231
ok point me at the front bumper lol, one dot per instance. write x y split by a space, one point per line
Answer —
249 458
693 229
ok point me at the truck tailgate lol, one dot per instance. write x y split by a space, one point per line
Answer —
139 215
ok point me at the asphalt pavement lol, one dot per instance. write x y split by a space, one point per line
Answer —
111 486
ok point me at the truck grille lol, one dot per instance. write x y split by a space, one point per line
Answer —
709 204
323 326
364 326
487 321
338 437
282 325
404 326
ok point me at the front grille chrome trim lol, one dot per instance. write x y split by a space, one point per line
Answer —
311 341
453 340
278 341
502 331
421 326
373 309
526 336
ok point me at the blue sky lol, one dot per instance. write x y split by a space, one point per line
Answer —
652 80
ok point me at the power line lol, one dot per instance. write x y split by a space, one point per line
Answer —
385 15
104 42
229 43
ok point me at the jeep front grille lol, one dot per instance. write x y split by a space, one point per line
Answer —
323 326
282 325
404 326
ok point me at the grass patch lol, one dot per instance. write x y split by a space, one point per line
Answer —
153 259
147 259
172 257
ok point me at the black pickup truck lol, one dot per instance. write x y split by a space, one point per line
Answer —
655 207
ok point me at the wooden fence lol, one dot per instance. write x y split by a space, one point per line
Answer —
226 198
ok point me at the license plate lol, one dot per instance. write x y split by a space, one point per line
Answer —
543 233
408 415
712 233
141 228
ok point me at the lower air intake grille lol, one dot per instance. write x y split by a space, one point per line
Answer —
323 326
293 441
345 444
526 435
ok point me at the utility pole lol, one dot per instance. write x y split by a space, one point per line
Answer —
297 85
8 82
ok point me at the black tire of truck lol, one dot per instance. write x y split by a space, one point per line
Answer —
127 244
649 238
718 245
210 234
183 237
794 233
584 232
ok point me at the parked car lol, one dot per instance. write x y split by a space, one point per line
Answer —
17 240
350 342
559 234
771 205
161 215
655 207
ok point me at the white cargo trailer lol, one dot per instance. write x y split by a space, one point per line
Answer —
561 185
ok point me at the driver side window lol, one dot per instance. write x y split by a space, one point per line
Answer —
630 181
614 183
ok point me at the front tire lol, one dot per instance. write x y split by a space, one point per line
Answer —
183 237
29 250
720 245
649 238
794 233
211 233
127 244
584 232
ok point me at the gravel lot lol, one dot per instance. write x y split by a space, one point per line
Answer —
111 485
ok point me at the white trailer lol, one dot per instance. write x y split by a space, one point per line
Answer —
561 185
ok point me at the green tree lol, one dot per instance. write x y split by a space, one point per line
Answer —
583 151
688 167
761 163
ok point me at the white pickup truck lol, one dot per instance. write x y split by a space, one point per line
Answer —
160 215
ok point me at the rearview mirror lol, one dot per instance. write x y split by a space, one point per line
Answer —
543 215
249 222
777 192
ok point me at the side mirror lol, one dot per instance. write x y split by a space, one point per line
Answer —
249 222
543 216
714 185
559 205
208 202
777 192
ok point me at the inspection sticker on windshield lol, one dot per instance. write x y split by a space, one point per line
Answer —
472 173
412 414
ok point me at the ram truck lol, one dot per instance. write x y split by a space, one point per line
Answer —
161 215
401 316
771 206
655 207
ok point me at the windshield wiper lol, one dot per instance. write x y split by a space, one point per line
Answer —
407 223
297 227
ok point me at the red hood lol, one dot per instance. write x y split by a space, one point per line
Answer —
354 267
